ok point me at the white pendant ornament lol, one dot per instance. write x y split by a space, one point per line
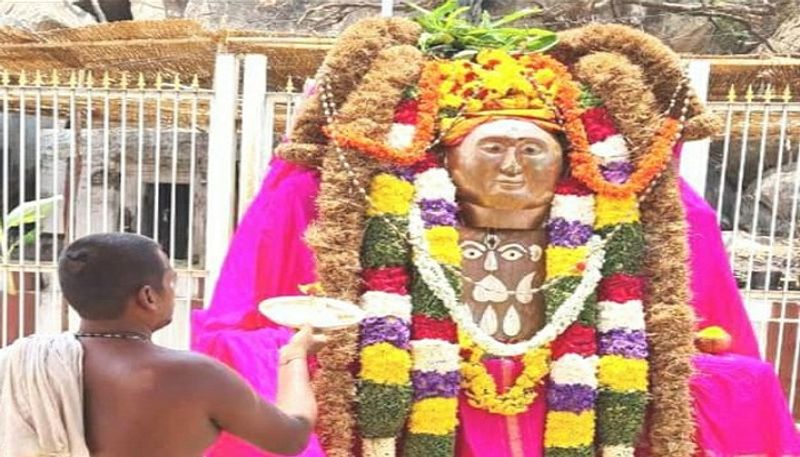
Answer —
490 290
524 292
489 321
512 324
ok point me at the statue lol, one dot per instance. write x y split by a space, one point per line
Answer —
508 215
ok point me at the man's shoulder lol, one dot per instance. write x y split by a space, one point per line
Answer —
191 365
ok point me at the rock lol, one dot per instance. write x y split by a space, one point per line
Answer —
769 201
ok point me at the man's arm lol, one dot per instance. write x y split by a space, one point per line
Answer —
283 428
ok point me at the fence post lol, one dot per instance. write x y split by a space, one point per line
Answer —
221 185
387 8
694 157
254 92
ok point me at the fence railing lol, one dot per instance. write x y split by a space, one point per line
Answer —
84 154
752 181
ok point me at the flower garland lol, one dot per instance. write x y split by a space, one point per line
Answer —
622 342
570 420
384 389
481 389
412 131
436 379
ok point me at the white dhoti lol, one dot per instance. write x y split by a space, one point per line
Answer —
41 398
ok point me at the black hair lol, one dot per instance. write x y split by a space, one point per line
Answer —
99 273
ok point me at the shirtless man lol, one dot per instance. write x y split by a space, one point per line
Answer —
145 400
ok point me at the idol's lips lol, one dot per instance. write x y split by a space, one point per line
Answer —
510 182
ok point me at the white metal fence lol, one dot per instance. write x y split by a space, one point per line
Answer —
752 179
83 154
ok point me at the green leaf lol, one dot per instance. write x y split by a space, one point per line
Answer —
513 17
27 212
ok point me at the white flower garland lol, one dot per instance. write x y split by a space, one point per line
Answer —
626 316
380 447
379 304
401 136
618 451
434 184
435 355
574 369
573 208
433 275
612 149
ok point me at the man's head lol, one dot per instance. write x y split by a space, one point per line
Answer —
114 276
507 165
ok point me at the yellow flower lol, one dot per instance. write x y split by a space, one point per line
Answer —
611 211
621 374
474 105
488 55
434 416
563 261
384 363
451 101
390 195
518 101
545 76
481 390
497 83
570 430
443 242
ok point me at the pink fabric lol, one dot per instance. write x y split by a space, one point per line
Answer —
267 258
740 407
484 434
715 295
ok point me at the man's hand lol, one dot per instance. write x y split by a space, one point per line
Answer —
303 343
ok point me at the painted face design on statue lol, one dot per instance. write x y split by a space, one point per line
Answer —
507 164
503 270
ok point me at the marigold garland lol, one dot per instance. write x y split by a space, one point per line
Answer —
481 389
425 127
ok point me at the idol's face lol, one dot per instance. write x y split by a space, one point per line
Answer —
506 164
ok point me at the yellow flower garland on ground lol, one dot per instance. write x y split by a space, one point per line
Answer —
481 390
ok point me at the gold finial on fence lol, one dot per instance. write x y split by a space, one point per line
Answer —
38 81
73 79
768 94
106 80
195 82
89 79
123 80
140 83
731 94
176 81
22 80
159 81
787 94
749 95
55 78
290 85
5 78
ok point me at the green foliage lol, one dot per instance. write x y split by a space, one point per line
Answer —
448 34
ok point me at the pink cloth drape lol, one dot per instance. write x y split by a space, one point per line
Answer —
739 405
267 258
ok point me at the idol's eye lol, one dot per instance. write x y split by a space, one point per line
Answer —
512 254
472 253
531 150
492 148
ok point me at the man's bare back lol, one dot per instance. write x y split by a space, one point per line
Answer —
144 400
